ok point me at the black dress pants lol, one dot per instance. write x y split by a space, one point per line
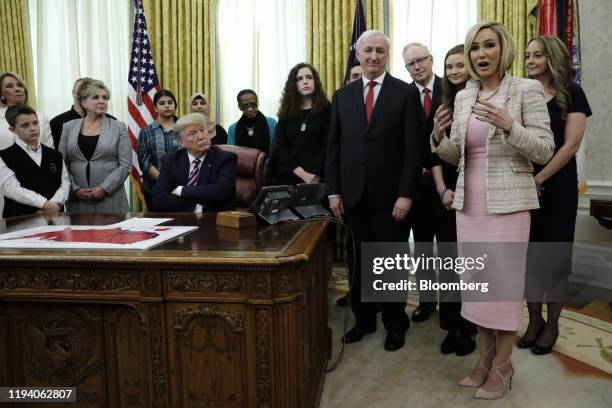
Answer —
370 223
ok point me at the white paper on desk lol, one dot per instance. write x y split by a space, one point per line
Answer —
141 222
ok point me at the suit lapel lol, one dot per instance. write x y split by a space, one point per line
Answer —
76 130
183 170
205 167
357 96
383 96
471 91
103 139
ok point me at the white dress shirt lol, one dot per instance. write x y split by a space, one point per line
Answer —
377 87
430 86
11 188
177 191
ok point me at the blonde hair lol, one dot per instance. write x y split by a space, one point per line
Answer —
87 88
506 43
561 72
20 81
195 118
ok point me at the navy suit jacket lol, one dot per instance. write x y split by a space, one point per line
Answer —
383 158
216 189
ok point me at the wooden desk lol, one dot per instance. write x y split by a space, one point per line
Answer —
217 318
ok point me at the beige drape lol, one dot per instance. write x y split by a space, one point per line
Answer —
329 26
516 15
15 44
182 35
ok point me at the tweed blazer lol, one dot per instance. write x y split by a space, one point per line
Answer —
110 165
509 172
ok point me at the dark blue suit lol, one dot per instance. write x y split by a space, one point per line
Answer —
216 189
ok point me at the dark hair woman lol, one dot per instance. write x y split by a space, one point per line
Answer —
298 154
155 140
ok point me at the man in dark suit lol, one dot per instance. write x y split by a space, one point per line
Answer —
373 161
199 177
419 63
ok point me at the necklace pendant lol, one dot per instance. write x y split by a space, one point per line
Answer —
303 128
250 131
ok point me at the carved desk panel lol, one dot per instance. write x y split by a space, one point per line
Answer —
217 318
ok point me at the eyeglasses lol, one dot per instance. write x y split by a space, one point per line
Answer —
246 106
419 61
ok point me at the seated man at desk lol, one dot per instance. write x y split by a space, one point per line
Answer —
199 177
33 177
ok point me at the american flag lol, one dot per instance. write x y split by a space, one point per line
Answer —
143 85
359 26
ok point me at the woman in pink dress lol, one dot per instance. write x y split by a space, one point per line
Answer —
500 125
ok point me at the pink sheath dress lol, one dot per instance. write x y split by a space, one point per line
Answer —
476 224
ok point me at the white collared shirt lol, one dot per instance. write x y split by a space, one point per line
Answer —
377 87
177 191
430 86
11 188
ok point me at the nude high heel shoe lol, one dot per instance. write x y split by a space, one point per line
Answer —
471 383
506 384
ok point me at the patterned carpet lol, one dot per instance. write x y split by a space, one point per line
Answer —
582 337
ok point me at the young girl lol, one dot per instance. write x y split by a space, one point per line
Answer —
460 332
298 153
155 140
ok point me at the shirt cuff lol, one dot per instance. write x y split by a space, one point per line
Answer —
177 191
333 196
39 202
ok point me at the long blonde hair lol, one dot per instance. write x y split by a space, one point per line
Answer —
561 72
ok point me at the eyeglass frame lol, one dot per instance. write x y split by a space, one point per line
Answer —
419 61
246 106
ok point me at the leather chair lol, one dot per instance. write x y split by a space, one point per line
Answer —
249 173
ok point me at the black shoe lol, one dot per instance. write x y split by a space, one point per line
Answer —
542 350
466 344
525 343
356 334
342 301
422 312
394 341
450 343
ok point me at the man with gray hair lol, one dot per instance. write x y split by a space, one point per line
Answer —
199 177
373 163
419 63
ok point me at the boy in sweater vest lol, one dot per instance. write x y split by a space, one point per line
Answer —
32 176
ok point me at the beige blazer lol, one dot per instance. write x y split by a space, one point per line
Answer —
509 174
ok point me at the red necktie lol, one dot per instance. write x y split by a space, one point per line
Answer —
369 101
427 103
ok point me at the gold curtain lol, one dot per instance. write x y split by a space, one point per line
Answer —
182 35
516 15
16 47
329 26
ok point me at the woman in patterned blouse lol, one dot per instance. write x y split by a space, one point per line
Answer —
155 140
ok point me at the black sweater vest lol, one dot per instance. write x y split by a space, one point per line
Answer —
45 180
